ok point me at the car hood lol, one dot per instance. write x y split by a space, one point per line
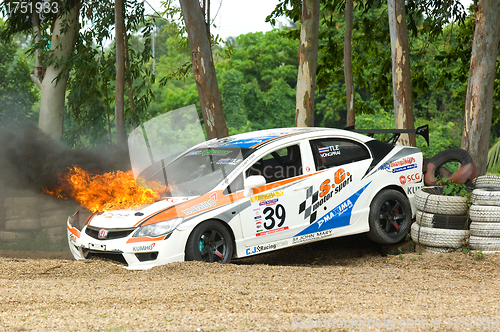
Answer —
128 218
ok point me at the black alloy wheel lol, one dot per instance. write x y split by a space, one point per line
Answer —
210 242
390 217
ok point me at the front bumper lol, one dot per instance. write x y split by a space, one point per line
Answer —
138 254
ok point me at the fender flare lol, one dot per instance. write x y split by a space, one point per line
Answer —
464 173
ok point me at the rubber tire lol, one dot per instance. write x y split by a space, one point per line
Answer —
487 196
486 229
21 213
424 219
480 213
444 221
439 237
429 200
487 181
464 173
192 252
377 233
22 225
484 243
14 236
21 202
53 221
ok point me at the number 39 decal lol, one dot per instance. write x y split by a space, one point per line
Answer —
269 215
270 212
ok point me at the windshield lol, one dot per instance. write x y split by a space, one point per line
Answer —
197 171
161 139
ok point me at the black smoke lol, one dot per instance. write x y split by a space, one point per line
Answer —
32 160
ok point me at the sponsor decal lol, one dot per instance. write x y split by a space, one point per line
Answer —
266 247
337 211
405 179
268 202
114 214
215 152
402 162
144 248
339 216
72 238
175 200
327 189
312 236
202 206
412 190
249 142
308 169
270 213
193 153
229 161
401 165
328 151
404 168
266 196
385 167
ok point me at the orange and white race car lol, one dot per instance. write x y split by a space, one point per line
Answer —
258 192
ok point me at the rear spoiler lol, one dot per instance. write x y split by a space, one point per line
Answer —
422 130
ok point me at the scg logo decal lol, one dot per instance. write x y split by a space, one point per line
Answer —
410 178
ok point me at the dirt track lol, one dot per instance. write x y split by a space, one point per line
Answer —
304 286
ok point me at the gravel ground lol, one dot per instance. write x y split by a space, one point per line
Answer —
302 287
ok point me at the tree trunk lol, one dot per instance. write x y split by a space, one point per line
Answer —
401 76
349 81
204 70
121 134
53 91
308 56
479 98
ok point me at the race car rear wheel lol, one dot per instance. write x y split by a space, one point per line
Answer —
210 242
390 217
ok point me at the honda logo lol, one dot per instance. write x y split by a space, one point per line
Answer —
103 233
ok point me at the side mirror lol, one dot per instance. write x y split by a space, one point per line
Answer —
251 182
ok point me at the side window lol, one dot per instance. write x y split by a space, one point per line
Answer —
235 186
330 152
278 165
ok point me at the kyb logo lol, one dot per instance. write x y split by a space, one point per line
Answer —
404 179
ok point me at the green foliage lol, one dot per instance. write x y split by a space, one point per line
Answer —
493 161
478 254
91 84
17 93
257 83
453 189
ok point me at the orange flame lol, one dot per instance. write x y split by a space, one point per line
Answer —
108 191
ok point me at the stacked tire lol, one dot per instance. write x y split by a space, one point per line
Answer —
441 223
27 217
21 219
485 214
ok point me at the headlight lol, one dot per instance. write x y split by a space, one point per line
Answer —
158 229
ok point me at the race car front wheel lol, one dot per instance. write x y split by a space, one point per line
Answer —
210 242
390 217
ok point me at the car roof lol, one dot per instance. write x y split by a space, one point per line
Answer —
256 139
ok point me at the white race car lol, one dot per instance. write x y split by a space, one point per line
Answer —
261 191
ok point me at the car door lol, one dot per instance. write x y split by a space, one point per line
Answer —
341 164
271 213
